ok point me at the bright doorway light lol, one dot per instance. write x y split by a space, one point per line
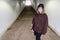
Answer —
28 2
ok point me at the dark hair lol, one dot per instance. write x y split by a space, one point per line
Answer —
40 5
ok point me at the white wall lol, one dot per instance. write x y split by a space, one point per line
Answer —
9 11
34 4
52 8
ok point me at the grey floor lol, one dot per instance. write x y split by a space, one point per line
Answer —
21 29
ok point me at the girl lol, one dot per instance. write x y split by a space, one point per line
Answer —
40 22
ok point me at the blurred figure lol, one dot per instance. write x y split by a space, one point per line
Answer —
40 22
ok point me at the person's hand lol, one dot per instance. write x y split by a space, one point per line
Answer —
32 31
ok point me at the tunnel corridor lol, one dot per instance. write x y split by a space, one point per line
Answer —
21 29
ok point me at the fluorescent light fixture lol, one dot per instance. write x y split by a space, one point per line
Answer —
28 3
24 2
17 4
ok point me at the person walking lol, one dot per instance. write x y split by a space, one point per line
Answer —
40 22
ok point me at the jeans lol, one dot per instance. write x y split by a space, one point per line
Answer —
38 35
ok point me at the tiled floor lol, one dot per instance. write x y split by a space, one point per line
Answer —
21 29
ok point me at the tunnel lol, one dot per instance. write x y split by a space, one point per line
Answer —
16 19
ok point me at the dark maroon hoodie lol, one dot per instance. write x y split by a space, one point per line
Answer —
40 23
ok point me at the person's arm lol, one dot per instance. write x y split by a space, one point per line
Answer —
33 22
45 26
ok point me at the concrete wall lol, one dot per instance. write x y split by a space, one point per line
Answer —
34 4
9 11
52 8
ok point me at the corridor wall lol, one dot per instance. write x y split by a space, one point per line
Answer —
9 11
52 8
